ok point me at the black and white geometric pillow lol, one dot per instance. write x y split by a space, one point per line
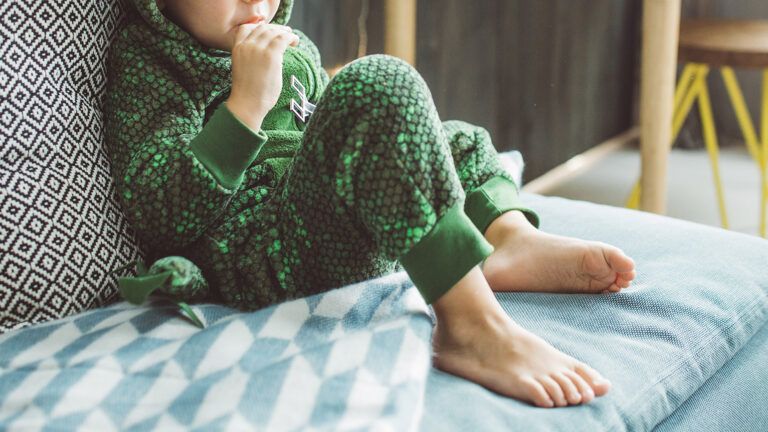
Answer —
61 228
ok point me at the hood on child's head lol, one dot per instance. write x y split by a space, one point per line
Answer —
149 10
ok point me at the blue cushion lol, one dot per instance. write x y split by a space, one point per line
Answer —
736 394
699 297
700 294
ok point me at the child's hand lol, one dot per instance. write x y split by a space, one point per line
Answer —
257 70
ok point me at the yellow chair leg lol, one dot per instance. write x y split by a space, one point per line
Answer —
690 72
710 141
633 202
742 112
688 87
750 137
699 82
692 86
764 155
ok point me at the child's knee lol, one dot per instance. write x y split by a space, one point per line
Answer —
382 77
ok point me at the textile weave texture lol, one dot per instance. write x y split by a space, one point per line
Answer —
700 295
61 227
353 358
358 357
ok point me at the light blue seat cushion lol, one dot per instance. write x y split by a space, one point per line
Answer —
700 294
733 399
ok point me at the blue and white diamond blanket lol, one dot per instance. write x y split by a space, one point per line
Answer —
352 358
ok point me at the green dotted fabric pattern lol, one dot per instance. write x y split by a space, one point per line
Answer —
162 86
373 171
376 171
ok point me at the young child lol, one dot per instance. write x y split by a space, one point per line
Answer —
230 148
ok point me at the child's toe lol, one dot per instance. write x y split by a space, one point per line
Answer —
587 393
554 390
618 261
537 394
572 393
593 378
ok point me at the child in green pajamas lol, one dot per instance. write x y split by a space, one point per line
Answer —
231 148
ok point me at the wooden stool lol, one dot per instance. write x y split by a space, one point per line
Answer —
724 44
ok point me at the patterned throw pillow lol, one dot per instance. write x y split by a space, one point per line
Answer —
61 228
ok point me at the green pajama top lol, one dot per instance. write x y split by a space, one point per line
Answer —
180 157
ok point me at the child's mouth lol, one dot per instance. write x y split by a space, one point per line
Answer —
253 20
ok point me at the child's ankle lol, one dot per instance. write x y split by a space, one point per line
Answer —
509 223
469 303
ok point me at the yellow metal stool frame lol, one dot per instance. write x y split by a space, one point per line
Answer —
692 85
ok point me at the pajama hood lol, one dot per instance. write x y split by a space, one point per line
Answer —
178 155
156 21
156 34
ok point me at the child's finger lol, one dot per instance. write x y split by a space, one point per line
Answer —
284 27
282 40
244 31
293 39
276 28
283 36
240 34
264 35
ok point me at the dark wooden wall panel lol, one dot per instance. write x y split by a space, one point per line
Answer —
332 26
551 78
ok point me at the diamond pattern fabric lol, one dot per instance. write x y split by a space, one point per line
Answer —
352 358
61 227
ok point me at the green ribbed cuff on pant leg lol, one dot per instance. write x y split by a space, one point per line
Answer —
494 197
446 254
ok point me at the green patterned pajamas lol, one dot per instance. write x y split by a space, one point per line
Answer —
376 172
370 179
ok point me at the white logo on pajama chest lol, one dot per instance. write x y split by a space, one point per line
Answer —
302 109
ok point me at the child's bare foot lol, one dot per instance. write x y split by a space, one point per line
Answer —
512 361
476 340
527 259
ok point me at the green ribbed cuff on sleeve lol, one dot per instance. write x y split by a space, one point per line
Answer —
446 254
227 147
494 197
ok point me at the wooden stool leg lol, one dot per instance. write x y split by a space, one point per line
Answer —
685 93
710 141
742 112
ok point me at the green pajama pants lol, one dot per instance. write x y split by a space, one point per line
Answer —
378 180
